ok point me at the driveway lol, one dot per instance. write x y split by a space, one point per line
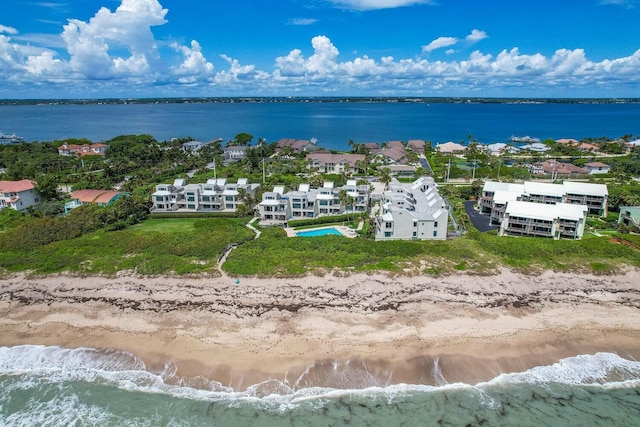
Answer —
479 221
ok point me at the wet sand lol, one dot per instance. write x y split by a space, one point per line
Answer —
345 332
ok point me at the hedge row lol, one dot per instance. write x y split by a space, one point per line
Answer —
164 215
320 220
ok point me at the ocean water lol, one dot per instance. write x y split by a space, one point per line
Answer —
332 124
54 386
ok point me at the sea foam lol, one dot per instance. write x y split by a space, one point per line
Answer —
126 371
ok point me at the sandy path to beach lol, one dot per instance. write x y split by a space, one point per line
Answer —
368 329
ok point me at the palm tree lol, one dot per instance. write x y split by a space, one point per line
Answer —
346 200
384 176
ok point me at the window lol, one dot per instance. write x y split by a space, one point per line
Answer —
435 233
229 206
387 234
191 199
435 224
191 206
388 224
415 234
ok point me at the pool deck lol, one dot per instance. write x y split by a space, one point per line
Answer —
345 231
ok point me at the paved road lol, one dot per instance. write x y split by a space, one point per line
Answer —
424 164
479 221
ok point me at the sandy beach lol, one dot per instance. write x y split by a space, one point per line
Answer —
352 331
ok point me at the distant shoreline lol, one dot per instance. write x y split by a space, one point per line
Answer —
319 99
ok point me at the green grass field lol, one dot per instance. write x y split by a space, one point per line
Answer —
170 225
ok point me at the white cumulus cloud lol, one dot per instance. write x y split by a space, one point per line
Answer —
7 30
194 64
126 31
476 35
439 43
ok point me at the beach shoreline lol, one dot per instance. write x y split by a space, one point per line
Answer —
352 331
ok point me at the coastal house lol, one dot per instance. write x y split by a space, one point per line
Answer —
18 195
450 148
326 162
192 146
393 152
297 145
92 197
536 147
558 169
499 148
595 168
234 153
82 150
630 217
278 207
371 147
567 141
633 144
416 145
587 147
414 211
216 195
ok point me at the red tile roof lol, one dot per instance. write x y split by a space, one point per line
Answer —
16 186
94 196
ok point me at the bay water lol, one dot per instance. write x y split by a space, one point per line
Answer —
333 124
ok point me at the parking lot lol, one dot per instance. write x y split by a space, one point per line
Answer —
479 221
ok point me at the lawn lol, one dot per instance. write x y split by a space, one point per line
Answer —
168 225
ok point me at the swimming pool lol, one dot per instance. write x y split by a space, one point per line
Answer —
318 232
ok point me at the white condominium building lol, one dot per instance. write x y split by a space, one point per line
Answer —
217 195
278 207
556 221
543 209
413 211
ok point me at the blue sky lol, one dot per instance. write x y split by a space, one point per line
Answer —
176 48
